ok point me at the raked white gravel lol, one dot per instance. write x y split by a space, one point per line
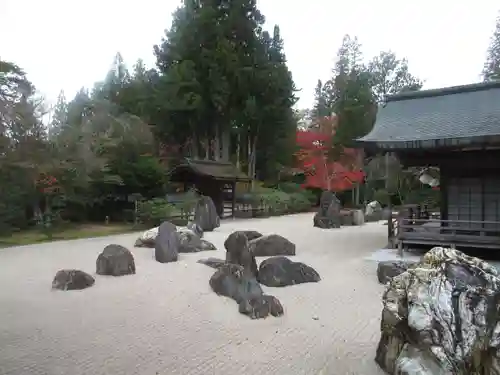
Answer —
166 320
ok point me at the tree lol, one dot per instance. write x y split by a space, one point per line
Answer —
59 118
391 75
491 70
225 87
323 167
321 106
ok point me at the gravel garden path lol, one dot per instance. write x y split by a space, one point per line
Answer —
166 320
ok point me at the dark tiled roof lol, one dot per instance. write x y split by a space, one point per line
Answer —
216 169
448 116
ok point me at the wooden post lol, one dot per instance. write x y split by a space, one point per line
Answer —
233 207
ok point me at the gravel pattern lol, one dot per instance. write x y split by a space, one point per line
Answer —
166 320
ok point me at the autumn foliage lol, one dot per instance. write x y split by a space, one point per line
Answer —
327 168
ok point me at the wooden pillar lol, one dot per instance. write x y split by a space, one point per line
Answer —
233 206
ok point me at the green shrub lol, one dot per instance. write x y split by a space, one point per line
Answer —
382 196
153 212
299 202
278 202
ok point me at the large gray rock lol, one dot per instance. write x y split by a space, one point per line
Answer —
328 215
72 280
233 281
271 245
167 243
115 260
281 271
205 214
442 317
238 252
386 270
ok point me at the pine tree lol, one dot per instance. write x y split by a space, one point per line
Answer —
59 117
390 75
491 70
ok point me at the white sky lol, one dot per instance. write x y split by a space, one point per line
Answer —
70 44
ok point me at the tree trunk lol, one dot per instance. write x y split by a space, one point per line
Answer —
238 149
217 144
252 147
194 147
226 145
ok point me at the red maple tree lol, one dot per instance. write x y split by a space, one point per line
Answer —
323 171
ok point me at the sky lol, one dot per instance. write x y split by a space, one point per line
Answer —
69 44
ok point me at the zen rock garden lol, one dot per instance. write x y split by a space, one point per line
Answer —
439 315
237 276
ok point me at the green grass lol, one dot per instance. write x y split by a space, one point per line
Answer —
72 232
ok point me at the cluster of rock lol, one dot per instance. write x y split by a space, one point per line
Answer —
114 260
168 242
330 213
441 316
239 278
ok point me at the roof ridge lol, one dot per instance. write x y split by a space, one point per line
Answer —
451 90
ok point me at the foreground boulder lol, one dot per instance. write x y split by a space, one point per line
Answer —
205 214
271 245
167 243
233 281
281 271
238 252
72 280
147 239
442 317
115 260
328 215
386 270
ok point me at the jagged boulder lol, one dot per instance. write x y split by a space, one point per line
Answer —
271 245
442 317
147 239
167 243
72 280
207 245
115 260
193 226
386 270
328 215
189 242
281 271
238 252
205 214
373 211
233 281
261 307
